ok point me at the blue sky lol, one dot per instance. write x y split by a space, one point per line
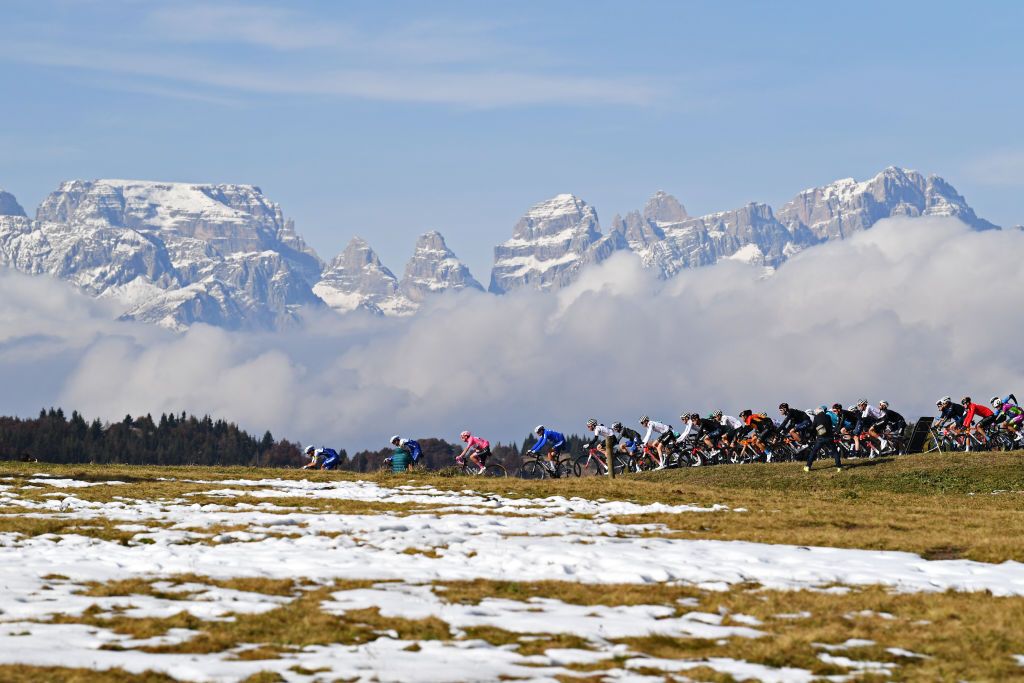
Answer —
388 119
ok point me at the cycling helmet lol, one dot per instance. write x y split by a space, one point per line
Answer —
310 450
997 404
883 404
465 435
717 415
684 417
644 419
945 400
539 430
837 406
746 413
591 423
694 416
939 403
996 400
395 440
862 402
783 406
965 401
616 426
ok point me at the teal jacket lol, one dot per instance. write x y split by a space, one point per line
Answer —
400 460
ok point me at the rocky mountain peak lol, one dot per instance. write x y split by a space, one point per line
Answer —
554 216
663 208
9 206
549 245
356 279
434 268
845 207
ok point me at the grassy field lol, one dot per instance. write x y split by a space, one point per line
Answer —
942 507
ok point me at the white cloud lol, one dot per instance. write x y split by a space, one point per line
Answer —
906 311
203 51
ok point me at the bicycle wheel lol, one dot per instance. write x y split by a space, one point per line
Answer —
622 463
532 469
568 468
494 470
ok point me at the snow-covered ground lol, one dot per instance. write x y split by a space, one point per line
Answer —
436 536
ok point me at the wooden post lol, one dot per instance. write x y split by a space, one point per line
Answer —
610 454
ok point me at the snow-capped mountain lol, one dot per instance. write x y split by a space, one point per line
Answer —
176 254
846 206
434 268
549 245
170 253
667 239
356 278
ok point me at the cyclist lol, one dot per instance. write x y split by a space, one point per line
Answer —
973 410
949 412
759 427
712 430
690 430
1009 414
891 419
733 426
321 458
602 432
557 445
411 447
629 439
476 448
664 435
794 421
824 439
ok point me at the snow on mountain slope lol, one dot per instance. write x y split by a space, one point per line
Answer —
550 244
356 278
846 206
176 254
434 268
172 253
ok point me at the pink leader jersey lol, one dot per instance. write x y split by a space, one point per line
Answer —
481 444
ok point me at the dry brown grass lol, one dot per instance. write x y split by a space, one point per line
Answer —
20 673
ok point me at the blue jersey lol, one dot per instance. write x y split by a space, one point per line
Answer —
327 457
413 449
554 438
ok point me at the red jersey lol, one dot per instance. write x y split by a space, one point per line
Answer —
976 409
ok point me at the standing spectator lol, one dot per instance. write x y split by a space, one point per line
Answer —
824 438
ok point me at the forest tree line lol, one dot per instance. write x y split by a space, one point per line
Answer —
170 440
181 439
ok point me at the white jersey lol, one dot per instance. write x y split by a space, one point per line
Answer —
654 427
689 430
603 432
872 411
731 422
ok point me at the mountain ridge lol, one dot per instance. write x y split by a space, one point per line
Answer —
178 254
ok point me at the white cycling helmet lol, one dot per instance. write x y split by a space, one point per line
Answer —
538 430
996 402
310 450
395 440
465 435
883 404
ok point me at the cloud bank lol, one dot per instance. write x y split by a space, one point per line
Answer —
907 311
